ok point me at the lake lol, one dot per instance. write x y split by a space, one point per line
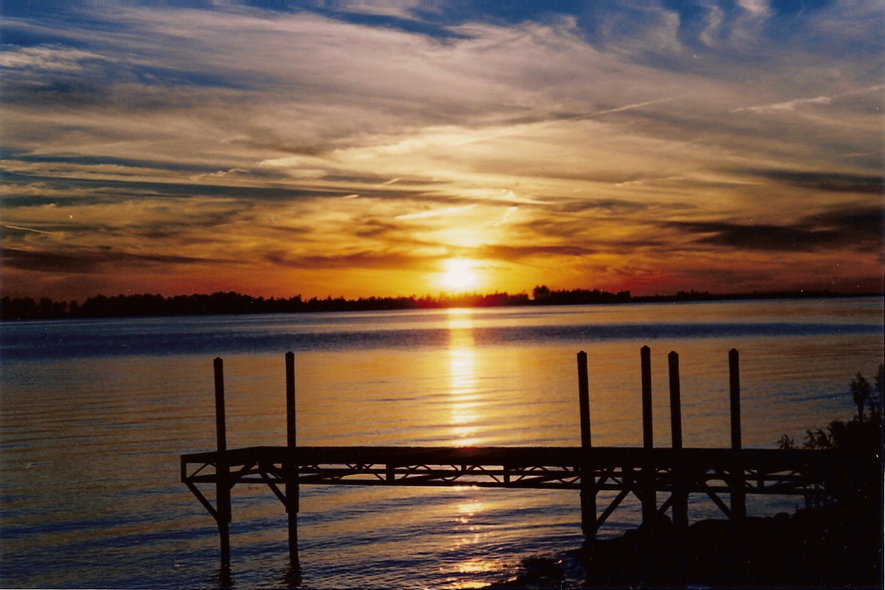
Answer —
95 413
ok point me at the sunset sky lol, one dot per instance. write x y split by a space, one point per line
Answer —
407 148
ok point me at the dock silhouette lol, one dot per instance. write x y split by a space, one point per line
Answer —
643 471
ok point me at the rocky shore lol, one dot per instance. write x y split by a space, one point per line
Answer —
813 548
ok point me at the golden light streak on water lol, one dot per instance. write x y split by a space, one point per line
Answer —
462 378
95 413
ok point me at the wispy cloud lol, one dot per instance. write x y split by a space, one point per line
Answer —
447 212
315 140
26 229
792 105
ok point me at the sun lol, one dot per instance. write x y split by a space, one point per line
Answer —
459 275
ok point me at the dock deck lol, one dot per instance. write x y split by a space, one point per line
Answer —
643 471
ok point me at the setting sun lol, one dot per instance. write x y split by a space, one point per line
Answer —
499 153
459 274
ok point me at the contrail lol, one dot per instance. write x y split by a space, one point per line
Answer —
20 228
791 104
629 107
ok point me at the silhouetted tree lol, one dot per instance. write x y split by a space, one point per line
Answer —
236 303
861 393
861 441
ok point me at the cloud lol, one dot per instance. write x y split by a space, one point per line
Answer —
447 212
789 105
762 237
510 253
26 229
854 228
838 182
83 261
508 214
353 260
244 133
47 58
795 104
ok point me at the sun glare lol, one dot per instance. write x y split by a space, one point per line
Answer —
459 275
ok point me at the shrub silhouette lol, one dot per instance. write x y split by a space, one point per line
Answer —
859 440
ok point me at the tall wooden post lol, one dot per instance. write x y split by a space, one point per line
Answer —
588 480
649 501
675 401
680 497
222 486
647 429
292 491
738 494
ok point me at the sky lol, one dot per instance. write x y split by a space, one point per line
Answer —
362 149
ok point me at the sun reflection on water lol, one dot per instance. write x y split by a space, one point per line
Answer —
474 566
468 568
465 404
467 510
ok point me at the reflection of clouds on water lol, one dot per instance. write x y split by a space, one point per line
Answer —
462 377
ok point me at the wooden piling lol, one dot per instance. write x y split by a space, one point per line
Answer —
734 383
675 402
738 495
588 483
647 429
222 486
291 469
680 497
643 472
647 494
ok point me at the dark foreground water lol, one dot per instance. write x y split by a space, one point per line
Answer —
94 414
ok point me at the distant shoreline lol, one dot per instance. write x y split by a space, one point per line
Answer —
231 303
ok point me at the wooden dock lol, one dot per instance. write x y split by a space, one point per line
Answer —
643 471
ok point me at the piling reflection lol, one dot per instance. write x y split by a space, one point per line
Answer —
223 579
462 378
292 575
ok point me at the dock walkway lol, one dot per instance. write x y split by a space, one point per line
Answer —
643 471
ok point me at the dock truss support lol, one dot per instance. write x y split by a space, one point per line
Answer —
644 471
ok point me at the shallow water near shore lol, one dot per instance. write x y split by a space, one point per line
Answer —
94 414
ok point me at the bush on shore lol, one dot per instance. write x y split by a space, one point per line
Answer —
836 541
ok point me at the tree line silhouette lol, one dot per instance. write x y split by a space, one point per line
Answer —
230 302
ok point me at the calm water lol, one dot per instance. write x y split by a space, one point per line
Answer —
95 413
